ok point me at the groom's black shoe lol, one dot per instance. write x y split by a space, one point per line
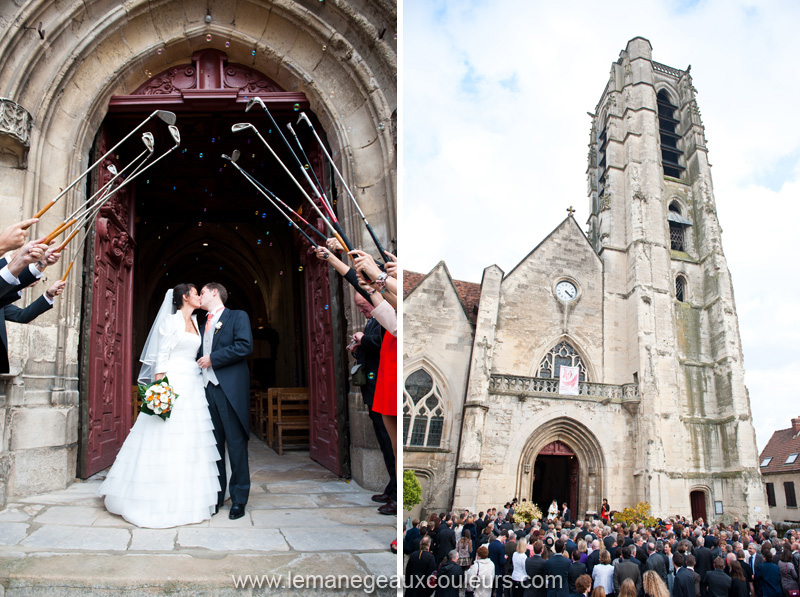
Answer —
216 510
237 511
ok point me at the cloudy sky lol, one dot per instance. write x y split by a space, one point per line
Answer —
495 102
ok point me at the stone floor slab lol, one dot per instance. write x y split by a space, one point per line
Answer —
316 539
337 500
380 564
69 515
272 501
232 539
153 539
292 518
19 512
60 537
12 533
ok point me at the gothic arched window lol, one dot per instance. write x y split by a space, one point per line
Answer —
680 289
667 128
423 411
561 354
677 227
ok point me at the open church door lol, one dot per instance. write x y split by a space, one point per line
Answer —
106 328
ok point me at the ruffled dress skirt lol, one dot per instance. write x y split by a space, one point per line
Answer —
165 474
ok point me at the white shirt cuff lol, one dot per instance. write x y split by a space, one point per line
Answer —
8 276
48 299
35 270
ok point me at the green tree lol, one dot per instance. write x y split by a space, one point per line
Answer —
412 490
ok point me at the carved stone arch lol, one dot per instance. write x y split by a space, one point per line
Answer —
422 361
591 374
587 448
671 93
706 491
427 489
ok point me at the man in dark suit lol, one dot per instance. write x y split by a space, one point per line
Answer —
558 572
656 563
24 269
566 515
26 315
705 562
497 554
576 569
627 569
226 340
684 578
717 583
594 557
446 541
536 569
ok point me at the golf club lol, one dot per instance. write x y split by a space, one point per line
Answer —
260 190
336 229
346 188
235 156
167 117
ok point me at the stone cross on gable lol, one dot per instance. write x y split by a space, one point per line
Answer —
570 211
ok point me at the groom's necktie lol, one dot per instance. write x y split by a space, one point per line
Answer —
208 321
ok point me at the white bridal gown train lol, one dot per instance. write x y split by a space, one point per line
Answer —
165 474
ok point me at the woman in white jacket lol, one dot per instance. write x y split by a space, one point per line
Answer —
480 576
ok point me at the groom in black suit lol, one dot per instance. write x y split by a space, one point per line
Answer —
226 340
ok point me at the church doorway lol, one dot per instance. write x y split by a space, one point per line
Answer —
194 218
698 502
555 477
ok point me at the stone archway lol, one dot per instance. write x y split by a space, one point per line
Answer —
586 448
341 56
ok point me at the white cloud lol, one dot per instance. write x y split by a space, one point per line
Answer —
490 168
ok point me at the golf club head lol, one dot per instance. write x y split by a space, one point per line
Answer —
149 142
241 126
168 117
289 126
112 168
304 117
176 134
255 101
235 155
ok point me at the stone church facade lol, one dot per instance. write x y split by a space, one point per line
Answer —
643 304
75 76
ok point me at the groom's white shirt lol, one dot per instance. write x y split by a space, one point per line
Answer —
208 339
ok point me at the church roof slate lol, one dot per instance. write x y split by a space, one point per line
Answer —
469 293
782 443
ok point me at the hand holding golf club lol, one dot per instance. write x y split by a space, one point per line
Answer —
13 237
56 289
30 253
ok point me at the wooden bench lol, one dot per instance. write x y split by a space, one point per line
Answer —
290 409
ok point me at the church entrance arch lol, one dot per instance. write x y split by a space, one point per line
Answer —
555 477
194 218
562 460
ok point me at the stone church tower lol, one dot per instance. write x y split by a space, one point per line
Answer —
644 307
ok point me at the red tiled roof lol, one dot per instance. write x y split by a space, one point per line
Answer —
468 292
782 443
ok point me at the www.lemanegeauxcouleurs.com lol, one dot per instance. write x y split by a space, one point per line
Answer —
370 583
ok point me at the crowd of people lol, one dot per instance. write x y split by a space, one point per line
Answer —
375 352
18 271
490 554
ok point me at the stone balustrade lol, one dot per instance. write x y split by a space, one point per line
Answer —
542 387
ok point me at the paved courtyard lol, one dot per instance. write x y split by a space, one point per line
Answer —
301 520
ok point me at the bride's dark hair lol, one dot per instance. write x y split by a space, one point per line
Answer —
180 291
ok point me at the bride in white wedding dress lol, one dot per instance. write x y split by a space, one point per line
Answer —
165 474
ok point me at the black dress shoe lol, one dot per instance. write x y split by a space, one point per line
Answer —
381 497
388 508
237 511
216 510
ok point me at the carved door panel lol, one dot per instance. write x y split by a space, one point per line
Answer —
327 428
106 367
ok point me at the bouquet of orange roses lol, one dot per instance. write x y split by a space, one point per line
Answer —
158 398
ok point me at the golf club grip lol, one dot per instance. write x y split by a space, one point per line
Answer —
69 238
342 237
377 242
41 212
66 273
49 238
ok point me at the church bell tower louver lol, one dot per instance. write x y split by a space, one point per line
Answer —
668 291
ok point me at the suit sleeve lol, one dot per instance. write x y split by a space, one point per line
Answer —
241 347
29 313
372 338
352 277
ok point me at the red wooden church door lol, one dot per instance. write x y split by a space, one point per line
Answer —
106 374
